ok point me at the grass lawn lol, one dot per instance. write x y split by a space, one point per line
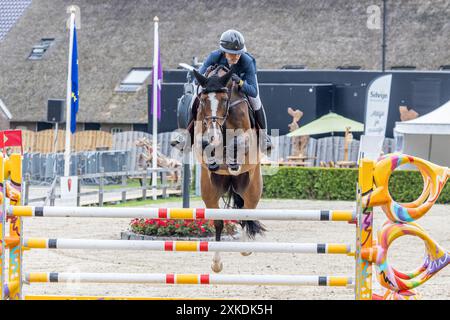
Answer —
141 203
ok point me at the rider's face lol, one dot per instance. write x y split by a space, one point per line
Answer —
232 58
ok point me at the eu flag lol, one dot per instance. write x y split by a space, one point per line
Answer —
75 94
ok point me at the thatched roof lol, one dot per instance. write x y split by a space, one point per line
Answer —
117 35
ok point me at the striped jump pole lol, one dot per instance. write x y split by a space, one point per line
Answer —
204 279
192 246
184 213
51 297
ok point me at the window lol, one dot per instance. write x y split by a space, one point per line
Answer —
134 80
140 127
116 130
92 126
44 126
38 50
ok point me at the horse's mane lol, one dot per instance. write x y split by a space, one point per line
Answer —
214 85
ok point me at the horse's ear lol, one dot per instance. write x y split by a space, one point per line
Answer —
200 78
226 77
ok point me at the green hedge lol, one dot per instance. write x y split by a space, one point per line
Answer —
339 184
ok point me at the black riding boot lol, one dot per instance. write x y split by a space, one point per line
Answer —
260 117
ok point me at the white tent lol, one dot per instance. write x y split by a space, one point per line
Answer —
427 137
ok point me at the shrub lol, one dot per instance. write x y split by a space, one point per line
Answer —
339 184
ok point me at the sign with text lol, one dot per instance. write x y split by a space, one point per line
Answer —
377 106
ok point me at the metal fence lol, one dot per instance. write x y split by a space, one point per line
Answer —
43 168
324 149
98 195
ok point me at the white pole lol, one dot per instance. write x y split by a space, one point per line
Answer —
69 97
55 141
191 246
183 213
155 107
190 279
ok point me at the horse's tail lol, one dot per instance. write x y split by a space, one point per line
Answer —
252 228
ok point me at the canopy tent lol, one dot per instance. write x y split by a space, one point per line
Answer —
427 137
331 122
435 122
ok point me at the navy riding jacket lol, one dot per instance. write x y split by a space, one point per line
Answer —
245 68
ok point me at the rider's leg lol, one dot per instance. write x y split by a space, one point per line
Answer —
179 140
260 117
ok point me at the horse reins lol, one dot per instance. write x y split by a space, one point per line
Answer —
229 104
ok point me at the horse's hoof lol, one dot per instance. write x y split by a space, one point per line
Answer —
213 167
234 169
217 267
246 254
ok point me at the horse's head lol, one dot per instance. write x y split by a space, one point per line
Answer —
214 104
221 107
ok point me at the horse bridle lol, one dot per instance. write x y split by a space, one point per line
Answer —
228 106
214 119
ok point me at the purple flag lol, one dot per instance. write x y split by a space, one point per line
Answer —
157 67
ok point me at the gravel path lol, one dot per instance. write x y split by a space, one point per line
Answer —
407 253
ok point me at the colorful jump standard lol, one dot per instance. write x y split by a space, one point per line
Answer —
11 191
372 191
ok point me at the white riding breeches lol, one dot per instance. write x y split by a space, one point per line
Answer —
256 102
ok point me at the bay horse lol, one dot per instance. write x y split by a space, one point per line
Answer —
223 130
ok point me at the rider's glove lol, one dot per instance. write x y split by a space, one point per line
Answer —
237 79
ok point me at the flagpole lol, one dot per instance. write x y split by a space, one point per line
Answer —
155 107
69 96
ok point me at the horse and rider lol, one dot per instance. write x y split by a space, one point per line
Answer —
228 100
232 54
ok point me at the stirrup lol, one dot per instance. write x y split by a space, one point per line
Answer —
267 146
178 142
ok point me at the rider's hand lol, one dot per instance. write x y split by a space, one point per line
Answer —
237 79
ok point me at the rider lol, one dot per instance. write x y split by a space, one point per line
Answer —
233 54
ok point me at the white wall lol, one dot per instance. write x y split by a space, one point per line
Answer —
418 145
440 150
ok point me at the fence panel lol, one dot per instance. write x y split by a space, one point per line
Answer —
44 167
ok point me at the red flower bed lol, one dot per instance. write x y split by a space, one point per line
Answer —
180 228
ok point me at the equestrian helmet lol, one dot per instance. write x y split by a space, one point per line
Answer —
232 41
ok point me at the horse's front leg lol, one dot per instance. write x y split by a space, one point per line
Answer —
217 264
211 196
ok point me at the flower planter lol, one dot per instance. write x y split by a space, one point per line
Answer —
128 235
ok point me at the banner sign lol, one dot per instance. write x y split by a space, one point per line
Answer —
377 106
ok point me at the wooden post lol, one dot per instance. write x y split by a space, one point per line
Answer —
100 187
164 184
124 184
27 188
79 188
52 193
144 184
346 143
